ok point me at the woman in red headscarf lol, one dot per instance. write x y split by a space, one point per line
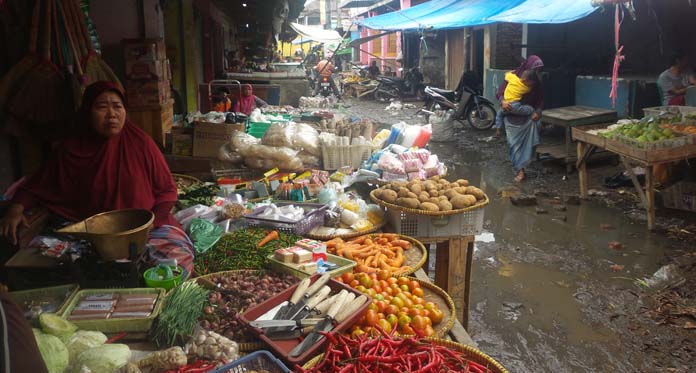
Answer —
248 102
110 164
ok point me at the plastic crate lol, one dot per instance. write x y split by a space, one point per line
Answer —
313 218
680 196
344 266
337 156
468 223
62 294
259 360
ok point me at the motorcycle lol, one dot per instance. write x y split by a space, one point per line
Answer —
411 85
325 86
466 100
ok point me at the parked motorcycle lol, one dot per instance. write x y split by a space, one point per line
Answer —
466 100
411 85
325 86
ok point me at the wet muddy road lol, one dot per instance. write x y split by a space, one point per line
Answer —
548 292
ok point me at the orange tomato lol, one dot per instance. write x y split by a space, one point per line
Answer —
418 322
418 301
389 291
383 284
371 317
428 331
425 313
391 310
428 321
339 279
385 325
393 320
413 312
348 277
397 302
381 306
403 281
418 292
377 288
380 315
353 283
395 288
413 284
408 302
404 287
430 306
361 288
407 330
383 274
392 280
372 306
436 316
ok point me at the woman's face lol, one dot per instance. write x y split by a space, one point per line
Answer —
108 114
246 91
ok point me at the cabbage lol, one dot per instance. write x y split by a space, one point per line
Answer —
104 358
53 352
83 340
57 326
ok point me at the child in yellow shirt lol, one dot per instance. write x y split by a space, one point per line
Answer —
516 88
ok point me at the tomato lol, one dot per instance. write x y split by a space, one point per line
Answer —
357 333
436 316
339 279
413 284
383 284
361 288
418 306
428 321
404 320
413 312
348 277
376 288
393 320
404 287
354 283
429 331
430 306
385 325
395 288
372 306
392 280
381 316
365 281
378 297
371 292
405 310
418 292
425 313
373 275
371 317
389 291
383 274
408 330
391 310
408 303
418 301
397 302
402 296
381 306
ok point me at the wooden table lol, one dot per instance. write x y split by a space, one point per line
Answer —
569 117
630 155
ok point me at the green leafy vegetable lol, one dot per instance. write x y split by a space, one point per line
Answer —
203 194
53 352
104 358
57 326
182 309
83 340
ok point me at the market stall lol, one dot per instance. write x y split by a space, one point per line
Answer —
310 250
665 135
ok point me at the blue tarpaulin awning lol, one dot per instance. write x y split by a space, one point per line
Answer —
546 11
454 14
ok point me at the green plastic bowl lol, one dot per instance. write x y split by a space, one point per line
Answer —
165 283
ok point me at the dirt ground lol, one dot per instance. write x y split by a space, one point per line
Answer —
566 285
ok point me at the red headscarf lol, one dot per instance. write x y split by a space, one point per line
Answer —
245 104
92 174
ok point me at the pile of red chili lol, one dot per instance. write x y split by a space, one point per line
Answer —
388 354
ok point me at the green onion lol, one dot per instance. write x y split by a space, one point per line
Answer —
182 309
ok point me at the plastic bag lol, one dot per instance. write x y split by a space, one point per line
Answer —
308 160
380 139
389 163
279 134
212 346
227 154
242 141
204 234
665 277
443 127
332 218
327 196
306 139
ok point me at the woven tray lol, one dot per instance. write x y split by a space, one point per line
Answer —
188 180
433 293
479 204
347 235
415 257
469 352
243 346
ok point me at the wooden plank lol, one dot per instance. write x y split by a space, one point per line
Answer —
650 196
582 170
634 180
577 116
453 273
582 134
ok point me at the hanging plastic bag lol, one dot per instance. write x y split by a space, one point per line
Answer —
204 234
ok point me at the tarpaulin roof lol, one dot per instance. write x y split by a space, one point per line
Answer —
546 11
316 33
440 15
453 14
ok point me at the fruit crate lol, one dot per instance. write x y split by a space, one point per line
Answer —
469 223
337 156
654 145
259 361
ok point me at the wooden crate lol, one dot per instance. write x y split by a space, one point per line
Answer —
156 120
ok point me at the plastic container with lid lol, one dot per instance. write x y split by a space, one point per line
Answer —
396 130
424 136
411 133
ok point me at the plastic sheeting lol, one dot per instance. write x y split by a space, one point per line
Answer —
546 11
316 33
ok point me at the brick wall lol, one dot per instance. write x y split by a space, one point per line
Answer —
508 52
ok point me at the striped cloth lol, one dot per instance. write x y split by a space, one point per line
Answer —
170 242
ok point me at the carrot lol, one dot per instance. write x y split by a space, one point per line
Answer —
359 240
401 243
273 235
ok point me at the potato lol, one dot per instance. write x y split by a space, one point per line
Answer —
443 182
463 182
427 206
444 205
429 184
443 198
389 196
399 184
435 178
378 193
451 193
476 192
412 203
433 193
424 197
460 201
416 188
434 200
403 192
460 190
412 195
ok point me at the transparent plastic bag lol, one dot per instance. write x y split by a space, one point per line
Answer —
389 163
212 346
306 139
308 160
227 154
279 134
242 141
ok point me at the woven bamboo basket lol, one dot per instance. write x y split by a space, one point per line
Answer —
190 180
479 204
348 235
415 245
446 325
243 346
468 352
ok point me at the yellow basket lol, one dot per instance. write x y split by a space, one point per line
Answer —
469 352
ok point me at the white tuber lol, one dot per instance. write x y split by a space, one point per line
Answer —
171 358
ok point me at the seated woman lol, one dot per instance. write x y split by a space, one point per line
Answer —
674 81
248 102
110 164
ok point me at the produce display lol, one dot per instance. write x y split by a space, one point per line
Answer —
238 250
380 252
195 194
642 132
687 129
212 346
398 304
363 354
181 312
432 195
237 291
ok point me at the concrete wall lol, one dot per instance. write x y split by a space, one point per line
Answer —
115 21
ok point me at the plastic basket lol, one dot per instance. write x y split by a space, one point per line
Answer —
344 266
337 156
62 294
468 223
680 196
314 217
120 324
257 361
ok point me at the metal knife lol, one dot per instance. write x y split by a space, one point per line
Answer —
308 308
296 296
311 290
291 334
285 324
324 325
346 309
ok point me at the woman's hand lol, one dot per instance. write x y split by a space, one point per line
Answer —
536 116
506 106
11 221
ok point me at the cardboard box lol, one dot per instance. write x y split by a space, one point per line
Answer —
146 70
156 120
147 92
209 137
144 49
182 141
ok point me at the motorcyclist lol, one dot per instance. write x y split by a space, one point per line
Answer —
325 68
373 70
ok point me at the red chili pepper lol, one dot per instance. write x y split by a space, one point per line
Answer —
117 337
